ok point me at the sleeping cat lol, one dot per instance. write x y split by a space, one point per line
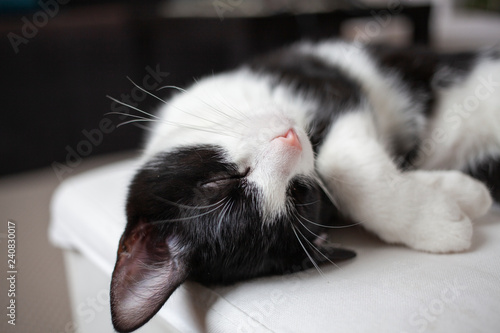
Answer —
246 171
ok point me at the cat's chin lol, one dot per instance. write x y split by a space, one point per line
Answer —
285 154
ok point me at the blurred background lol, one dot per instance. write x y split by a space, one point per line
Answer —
59 59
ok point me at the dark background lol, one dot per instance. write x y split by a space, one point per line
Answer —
54 88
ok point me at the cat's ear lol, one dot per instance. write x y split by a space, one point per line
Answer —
331 253
147 272
334 254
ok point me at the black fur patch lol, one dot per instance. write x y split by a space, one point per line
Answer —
310 76
200 202
488 171
423 72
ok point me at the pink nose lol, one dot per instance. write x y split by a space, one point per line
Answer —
290 138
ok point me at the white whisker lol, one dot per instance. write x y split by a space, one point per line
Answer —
327 226
176 204
297 215
317 250
227 206
172 87
126 114
305 250
325 190
210 106
147 92
189 217
132 107
308 204
157 119
222 100
136 121
225 127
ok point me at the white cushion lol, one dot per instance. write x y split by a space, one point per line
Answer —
386 288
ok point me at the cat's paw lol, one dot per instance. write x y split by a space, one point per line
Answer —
448 200
471 195
441 228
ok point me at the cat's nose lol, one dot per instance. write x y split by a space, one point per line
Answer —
291 139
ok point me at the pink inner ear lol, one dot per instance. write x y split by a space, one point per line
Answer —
145 276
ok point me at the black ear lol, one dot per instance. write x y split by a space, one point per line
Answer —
148 269
334 254
324 252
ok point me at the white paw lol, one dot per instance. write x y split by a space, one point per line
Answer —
471 195
441 228
439 206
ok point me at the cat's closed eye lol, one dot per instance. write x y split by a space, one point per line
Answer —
219 183
224 180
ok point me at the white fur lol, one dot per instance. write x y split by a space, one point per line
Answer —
466 127
427 210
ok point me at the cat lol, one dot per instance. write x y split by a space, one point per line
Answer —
245 171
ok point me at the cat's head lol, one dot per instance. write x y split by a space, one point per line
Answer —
217 212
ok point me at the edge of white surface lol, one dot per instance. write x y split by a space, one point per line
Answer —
194 307
66 235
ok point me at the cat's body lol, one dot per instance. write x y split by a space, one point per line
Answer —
241 170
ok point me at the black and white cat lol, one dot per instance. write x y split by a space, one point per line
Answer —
245 171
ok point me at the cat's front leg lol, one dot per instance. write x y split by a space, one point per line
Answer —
423 210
